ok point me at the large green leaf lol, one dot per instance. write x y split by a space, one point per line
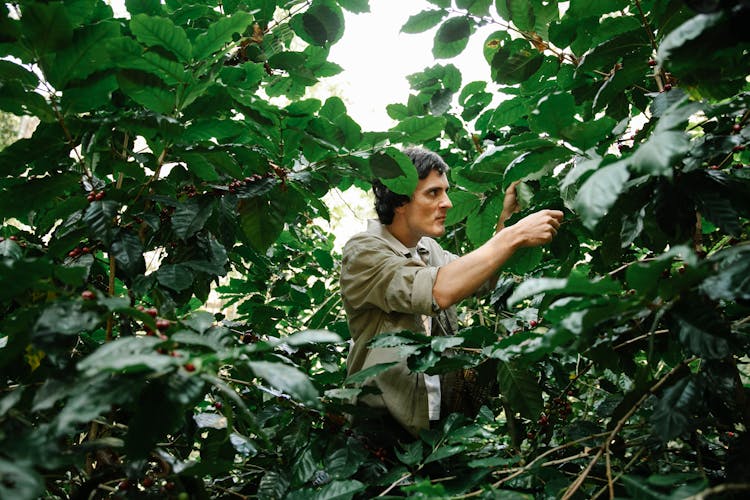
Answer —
19 481
287 379
129 55
219 34
395 170
423 21
46 26
464 203
86 55
100 218
553 113
660 154
672 412
321 24
162 32
262 221
190 217
573 285
701 329
519 386
599 192
419 129
147 91
128 253
127 354
452 37
514 61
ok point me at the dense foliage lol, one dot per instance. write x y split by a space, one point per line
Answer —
177 151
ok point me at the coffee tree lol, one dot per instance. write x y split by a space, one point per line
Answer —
177 154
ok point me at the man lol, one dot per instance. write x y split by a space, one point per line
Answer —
396 277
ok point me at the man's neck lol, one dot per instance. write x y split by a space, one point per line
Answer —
402 234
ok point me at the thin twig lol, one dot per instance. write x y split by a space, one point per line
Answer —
620 424
721 488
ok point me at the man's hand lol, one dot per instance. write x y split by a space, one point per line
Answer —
510 205
536 229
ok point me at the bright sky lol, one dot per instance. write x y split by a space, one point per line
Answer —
377 57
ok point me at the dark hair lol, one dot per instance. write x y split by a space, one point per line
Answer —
386 201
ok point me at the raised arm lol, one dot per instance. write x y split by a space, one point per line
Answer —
462 277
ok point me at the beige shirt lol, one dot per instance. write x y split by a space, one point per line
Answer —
385 290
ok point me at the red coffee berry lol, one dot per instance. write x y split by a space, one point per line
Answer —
153 312
87 295
124 485
652 62
736 127
85 250
163 324
73 253
147 482
189 367
13 238
533 323
218 405
99 195
714 167
91 196
738 147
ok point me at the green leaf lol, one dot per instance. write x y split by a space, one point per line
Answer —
452 37
701 329
335 490
190 217
660 154
445 452
175 276
356 6
162 32
19 480
520 388
46 27
86 55
524 260
514 62
476 7
128 253
363 375
573 285
95 93
261 220
311 337
412 453
130 55
553 113
287 379
480 226
508 112
419 129
321 24
673 411
150 7
395 170
464 204
599 192
219 34
147 91
423 21
127 354
100 216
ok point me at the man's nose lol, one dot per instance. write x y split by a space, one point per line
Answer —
446 202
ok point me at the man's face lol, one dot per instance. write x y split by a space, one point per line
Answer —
424 214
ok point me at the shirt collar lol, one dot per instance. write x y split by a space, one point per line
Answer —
377 228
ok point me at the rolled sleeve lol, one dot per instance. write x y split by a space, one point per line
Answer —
372 275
